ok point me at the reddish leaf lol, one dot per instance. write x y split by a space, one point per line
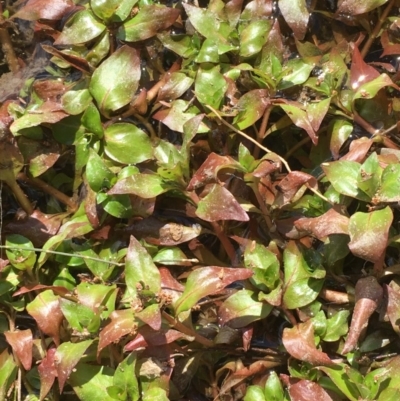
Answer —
44 9
21 343
358 150
360 71
209 169
148 337
47 372
168 282
122 323
66 357
44 305
300 119
151 316
388 48
220 204
28 288
306 390
37 227
368 294
355 7
369 233
393 307
329 223
213 279
299 342
77 62
293 181
296 15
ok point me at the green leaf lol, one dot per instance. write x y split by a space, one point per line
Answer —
82 27
273 390
213 279
295 73
20 258
302 282
369 233
210 85
68 355
344 175
90 382
140 269
389 190
78 316
371 88
125 377
8 373
127 144
114 83
336 326
253 37
339 376
370 175
155 394
143 185
251 108
99 176
208 52
148 22
296 16
242 308
265 265
76 102
91 120
112 10
254 393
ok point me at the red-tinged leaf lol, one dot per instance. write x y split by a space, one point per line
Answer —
213 279
21 342
360 71
369 89
168 282
144 185
292 183
306 390
296 15
66 357
358 150
329 223
393 307
208 171
355 7
77 62
148 337
44 9
29 288
316 112
369 233
37 227
151 316
150 20
220 204
140 269
241 309
300 119
47 372
122 323
48 112
243 373
299 343
44 305
252 106
388 48
369 295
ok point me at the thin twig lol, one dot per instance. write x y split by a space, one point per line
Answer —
377 29
249 138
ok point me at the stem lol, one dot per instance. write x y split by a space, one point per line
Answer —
263 129
38 183
8 48
20 196
377 29
249 138
226 243
186 330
